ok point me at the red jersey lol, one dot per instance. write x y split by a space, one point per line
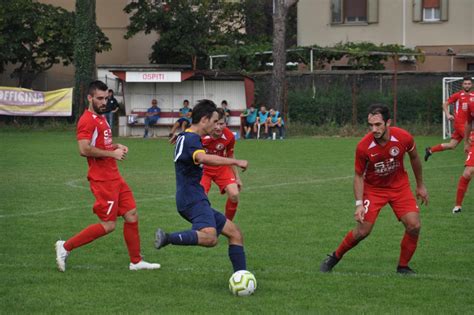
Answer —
461 99
223 146
382 166
95 128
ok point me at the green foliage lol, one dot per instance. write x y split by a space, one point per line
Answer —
188 28
334 105
36 36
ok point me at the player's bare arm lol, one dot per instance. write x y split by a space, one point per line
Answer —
120 146
86 150
446 111
359 195
215 160
421 192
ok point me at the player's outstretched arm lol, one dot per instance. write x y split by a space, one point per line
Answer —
86 150
359 195
215 160
421 192
467 135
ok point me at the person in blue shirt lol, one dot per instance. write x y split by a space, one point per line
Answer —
184 120
275 120
152 116
250 115
262 117
191 200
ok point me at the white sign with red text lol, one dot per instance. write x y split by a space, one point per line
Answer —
153 76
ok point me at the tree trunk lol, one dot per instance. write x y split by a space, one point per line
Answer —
279 86
84 53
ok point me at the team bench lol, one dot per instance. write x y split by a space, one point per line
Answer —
135 123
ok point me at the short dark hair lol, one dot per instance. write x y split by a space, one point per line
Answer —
466 78
221 113
381 109
185 101
110 90
224 102
204 108
96 85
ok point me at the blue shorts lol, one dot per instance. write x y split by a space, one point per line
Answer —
201 215
182 120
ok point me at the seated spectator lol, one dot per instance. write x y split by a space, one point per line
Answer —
262 117
250 115
226 112
152 116
184 120
275 121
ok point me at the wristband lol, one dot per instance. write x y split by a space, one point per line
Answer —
359 203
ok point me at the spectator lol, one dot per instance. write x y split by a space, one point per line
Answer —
250 115
184 120
261 121
111 108
226 112
152 116
275 120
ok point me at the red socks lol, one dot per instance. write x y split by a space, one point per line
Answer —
437 148
132 239
348 242
462 188
86 236
408 247
230 209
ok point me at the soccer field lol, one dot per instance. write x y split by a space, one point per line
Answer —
296 206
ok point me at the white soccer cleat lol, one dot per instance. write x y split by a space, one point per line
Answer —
61 255
143 265
457 210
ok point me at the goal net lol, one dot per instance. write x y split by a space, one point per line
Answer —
451 85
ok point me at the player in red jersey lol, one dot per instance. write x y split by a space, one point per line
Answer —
221 142
380 179
469 164
113 196
461 99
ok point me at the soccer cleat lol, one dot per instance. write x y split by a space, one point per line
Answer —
405 271
160 239
457 210
143 265
61 255
427 153
329 263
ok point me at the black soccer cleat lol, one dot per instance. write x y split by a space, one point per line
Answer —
428 153
406 271
161 239
329 263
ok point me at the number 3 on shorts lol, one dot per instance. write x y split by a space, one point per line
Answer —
111 204
366 205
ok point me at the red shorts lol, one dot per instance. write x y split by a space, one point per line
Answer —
470 157
222 176
112 198
458 133
401 200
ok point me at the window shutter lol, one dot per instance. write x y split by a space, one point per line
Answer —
444 10
372 11
428 4
336 11
417 10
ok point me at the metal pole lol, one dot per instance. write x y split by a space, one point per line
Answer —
210 62
311 67
395 85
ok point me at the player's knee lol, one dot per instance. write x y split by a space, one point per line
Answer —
233 194
210 241
413 228
361 233
131 216
468 173
109 226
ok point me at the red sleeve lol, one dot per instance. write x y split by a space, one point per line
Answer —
230 147
85 129
453 98
360 161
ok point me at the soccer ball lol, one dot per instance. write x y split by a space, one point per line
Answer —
242 283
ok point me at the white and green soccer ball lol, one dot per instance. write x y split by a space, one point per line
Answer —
242 283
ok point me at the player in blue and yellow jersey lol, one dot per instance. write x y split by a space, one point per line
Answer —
191 200
184 120
275 120
262 117
250 115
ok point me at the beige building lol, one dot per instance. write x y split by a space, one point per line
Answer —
444 29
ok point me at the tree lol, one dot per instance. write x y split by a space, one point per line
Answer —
187 28
280 13
36 36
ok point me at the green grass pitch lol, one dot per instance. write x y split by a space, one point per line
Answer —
296 206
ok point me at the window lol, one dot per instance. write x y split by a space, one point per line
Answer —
431 10
470 67
354 11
